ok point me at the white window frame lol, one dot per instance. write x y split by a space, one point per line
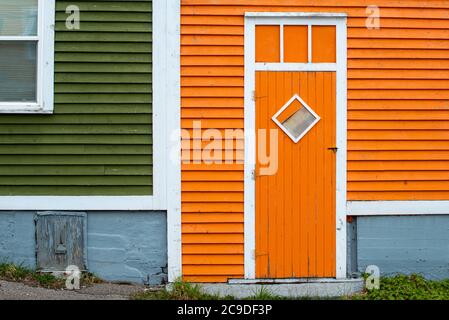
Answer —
304 105
294 18
45 63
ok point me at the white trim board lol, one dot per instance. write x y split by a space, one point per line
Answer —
397 208
73 203
167 123
282 18
261 66
45 63
314 15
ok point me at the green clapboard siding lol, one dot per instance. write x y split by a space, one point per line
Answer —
99 139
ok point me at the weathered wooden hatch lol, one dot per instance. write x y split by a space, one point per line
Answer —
61 240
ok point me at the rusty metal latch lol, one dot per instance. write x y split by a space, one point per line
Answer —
61 249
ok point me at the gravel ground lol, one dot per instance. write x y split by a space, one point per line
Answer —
103 291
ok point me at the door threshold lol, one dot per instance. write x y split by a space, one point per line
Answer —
293 280
293 288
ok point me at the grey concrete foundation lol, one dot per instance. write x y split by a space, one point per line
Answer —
126 246
403 244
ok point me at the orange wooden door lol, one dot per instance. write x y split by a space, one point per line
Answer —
295 206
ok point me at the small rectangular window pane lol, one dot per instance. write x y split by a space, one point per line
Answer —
18 71
299 122
18 17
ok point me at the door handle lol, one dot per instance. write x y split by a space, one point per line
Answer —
333 149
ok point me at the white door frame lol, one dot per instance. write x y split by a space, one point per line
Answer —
284 18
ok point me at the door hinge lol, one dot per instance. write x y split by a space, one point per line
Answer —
254 95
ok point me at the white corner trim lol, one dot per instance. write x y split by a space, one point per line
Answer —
45 63
285 18
166 70
396 208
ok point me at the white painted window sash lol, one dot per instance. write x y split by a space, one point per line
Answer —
45 63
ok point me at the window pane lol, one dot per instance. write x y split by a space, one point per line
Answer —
299 122
18 17
18 71
296 118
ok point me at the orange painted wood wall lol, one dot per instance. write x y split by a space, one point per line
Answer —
398 113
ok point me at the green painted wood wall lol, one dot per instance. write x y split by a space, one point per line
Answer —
99 139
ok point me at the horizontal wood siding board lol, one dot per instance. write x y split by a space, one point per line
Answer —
99 139
398 120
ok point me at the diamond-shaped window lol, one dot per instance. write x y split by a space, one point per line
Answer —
296 118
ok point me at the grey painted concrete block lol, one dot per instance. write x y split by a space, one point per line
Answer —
17 238
121 246
404 244
128 246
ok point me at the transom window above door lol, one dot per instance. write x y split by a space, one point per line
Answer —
295 44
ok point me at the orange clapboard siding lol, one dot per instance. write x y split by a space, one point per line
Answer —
213 196
398 195
213 249
397 53
198 228
395 73
209 259
204 146
212 186
211 278
403 175
426 166
394 145
397 104
219 113
212 217
299 34
229 239
212 270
